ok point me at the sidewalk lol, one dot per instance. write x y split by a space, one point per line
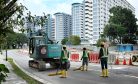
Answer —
12 77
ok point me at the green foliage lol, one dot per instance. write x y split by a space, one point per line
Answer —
75 40
2 40
114 30
3 72
16 39
122 22
9 15
39 21
21 39
100 40
124 17
64 41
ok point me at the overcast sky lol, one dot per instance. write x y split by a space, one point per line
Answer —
37 7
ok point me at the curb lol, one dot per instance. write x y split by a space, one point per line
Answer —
33 76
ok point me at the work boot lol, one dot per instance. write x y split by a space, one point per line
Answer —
103 73
106 73
62 74
86 68
66 74
82 68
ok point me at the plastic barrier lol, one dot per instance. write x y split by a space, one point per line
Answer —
74 57
124 61
130 61
135 58
93 56
117 61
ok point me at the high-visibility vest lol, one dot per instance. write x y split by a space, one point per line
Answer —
65 54
105 53
85 54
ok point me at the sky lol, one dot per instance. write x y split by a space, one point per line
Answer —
37 7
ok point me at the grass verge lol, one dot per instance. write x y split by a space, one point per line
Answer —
23 75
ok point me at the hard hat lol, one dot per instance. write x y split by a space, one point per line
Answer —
64 45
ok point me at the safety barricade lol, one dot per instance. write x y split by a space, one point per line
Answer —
135 58
126 59
93 56
23 52
74 57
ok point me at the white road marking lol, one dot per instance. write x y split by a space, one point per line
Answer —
131 76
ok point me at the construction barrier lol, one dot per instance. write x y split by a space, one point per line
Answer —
117 58
74 57
112 58
93 56
135 58
123 61
130 61
117 61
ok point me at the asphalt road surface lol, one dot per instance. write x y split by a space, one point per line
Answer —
118 74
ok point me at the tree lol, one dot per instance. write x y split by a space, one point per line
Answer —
10 13
16 39
64 41
122 22
3 72
11 17
75 40
99 41
21 39
11 40
114 31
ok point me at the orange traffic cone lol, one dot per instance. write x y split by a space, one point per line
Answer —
130 61
117 61
124 62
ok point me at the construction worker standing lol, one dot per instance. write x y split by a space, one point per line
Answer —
64 62
85 59
103 56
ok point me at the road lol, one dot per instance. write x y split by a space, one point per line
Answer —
118 74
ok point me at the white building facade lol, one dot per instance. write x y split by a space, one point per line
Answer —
95 17
63 26
101 14
50 27
87 22
77 19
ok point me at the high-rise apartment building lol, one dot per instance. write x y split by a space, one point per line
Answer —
77 19
87 22
53 30
63 26
101 14
50 27
95 17
82 20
